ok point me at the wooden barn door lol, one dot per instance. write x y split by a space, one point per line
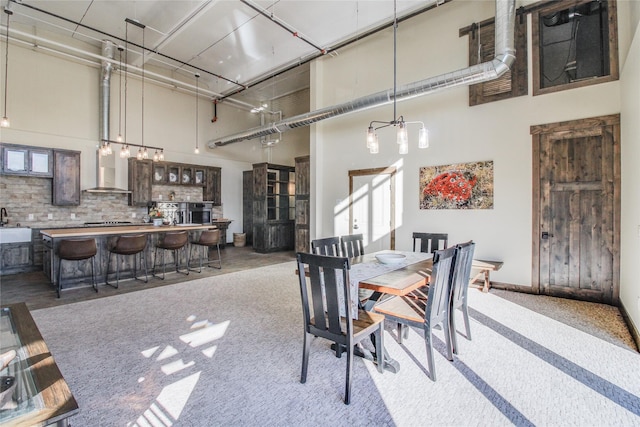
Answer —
576 202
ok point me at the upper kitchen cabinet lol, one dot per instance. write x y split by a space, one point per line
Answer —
27 161
212 191
140 182
66 178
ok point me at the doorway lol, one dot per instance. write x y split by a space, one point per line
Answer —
576 209
372 207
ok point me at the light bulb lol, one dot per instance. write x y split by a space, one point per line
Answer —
128 150
423 138
161 156
197 150
139 155
119 138
123 152
145 153
374 148
5 122
109 150
370 136
401 136
155 156
403 148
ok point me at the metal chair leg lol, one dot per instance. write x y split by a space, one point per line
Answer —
93 273
59 284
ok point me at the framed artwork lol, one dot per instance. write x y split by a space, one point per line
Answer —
457 186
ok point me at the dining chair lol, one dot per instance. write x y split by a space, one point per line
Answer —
430 242
460 286
328 281
329 246
127 245
352 245
427 313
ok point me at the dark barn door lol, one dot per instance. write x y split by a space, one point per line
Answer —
576 168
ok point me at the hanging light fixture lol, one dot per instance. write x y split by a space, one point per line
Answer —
402 137
120 138
197 150
5 122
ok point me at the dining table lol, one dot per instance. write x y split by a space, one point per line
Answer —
400 276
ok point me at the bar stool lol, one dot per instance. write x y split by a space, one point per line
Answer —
77 250
172 242
207 238
128 245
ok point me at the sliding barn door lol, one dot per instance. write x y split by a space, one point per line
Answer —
577 208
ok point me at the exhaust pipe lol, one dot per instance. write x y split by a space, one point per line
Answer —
486 71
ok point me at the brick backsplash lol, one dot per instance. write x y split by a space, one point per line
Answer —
180 193
22 196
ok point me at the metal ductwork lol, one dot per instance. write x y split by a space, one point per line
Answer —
490 70
105 168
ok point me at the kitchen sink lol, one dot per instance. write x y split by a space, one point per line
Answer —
15 234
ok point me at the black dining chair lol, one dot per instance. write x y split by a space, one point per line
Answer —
429 313
329 279
430 242
352 245
460 286
329 246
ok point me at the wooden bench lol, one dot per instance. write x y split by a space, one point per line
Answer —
483 269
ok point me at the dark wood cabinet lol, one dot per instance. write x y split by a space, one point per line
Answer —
26 160
212 191
16 257
140 182
302 209
273 207
66 178
247 206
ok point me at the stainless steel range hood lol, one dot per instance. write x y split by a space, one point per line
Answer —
106 175
106 165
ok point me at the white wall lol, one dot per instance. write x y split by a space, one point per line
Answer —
53 101
630 218
429 45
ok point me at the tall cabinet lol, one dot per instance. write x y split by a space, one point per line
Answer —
303 208
273 207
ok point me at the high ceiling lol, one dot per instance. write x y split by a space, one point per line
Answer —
247 50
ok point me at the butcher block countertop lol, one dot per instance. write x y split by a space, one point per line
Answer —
55 233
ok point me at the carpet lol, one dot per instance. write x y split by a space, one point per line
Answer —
226 350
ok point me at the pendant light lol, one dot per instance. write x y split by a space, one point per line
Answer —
197 150
5 122
402 137
119 138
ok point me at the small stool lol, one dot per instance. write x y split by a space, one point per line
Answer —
77 250
207 238
171 242
128 245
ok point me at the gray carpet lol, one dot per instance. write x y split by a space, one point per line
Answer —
226 350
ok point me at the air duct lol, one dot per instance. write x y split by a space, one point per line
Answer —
490 70
106 169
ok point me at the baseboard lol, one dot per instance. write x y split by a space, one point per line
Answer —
512 287
632 328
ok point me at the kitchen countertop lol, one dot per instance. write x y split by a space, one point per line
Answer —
125 229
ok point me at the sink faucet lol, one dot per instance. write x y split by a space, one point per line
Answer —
3 214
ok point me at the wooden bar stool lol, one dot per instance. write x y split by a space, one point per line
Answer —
207 239
128 245
77 250
172 242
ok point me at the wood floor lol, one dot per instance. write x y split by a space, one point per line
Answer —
35 290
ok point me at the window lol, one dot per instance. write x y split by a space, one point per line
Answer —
574 46
482 48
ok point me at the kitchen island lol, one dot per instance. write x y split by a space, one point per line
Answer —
79 274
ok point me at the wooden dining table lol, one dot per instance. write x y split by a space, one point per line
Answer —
398 281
